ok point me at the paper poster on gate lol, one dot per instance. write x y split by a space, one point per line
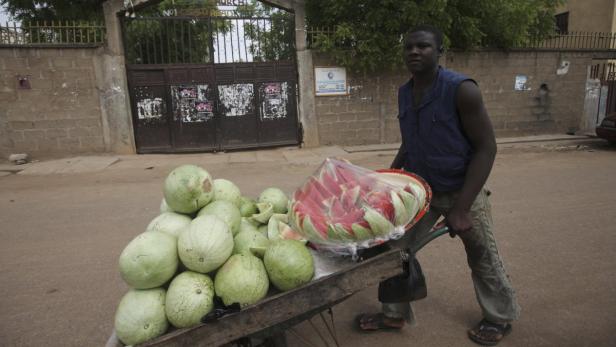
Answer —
191 103
236 99
149 107
274 97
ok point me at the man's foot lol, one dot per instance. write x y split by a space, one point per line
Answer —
378 321
487 333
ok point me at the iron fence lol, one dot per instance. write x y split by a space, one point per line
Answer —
591 41
574 41
52 33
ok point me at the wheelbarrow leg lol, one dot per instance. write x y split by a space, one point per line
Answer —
279 339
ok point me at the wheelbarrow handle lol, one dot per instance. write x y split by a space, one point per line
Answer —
437 231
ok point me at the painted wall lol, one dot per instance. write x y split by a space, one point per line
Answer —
551 100
590 15
60 112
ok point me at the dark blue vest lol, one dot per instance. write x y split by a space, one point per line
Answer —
436 146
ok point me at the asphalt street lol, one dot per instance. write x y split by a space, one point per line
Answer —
553 202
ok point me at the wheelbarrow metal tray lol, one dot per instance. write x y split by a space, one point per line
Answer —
336 279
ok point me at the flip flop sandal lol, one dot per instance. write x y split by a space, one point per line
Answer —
487 333
367 322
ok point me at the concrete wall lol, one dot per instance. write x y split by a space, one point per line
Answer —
61 113
67 110
368 114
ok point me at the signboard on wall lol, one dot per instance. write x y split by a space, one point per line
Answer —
330 81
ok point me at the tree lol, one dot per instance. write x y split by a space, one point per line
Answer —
46 10
271 39
367 35
153 36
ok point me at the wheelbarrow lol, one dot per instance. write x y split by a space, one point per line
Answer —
336 279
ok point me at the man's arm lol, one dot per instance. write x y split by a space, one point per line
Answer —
479 131
400 158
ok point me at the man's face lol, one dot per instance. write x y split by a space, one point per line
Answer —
420 51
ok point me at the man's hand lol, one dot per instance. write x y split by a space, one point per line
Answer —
458 221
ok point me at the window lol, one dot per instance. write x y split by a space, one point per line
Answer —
562 23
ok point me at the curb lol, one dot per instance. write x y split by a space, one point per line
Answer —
297 156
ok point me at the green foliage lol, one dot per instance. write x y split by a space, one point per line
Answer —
45 10
271 41
152 40
367 35
185 8
155 37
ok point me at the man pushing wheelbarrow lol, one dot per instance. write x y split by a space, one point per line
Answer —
447 138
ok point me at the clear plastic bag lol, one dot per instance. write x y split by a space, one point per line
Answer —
343 208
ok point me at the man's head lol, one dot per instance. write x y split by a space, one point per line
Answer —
423 46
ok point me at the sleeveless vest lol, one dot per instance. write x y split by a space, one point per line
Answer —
436 147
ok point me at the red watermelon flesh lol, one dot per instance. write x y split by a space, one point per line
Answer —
345 174
381 202
336 209
330 183
335 199
320 225
349 197
319 189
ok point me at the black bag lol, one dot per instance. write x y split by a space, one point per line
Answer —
407 287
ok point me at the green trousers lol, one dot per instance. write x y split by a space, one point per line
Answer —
493 288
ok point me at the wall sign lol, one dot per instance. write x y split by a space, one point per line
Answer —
330 81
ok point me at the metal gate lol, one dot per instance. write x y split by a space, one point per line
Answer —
211 83
606 74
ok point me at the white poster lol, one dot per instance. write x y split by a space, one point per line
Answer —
274 98
521 83
236 99
330 81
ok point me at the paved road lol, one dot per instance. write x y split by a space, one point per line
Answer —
553 209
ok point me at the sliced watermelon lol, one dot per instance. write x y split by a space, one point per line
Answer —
345 174
310 229
349 217
320 223
287 233
300 193
330 183
332 235
343 233
317 186
361 232
336 209
410 203
349 197
379 225
401 213
381 201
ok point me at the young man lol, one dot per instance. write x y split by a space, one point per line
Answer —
447 138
